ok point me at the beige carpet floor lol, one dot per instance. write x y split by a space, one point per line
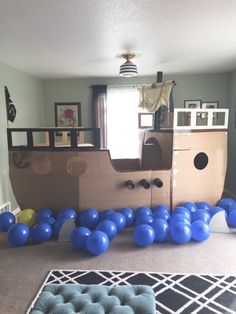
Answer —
22 270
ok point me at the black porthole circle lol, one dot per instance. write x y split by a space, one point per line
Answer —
201 161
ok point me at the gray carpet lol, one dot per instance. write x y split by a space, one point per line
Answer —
22 270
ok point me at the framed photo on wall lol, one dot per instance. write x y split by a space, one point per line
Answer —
210 105
67 114
192 104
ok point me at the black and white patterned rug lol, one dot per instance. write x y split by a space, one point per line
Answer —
174 293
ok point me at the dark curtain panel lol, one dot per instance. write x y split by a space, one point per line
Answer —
99 111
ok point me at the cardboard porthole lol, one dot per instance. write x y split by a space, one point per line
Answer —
41 164
76 166
201 161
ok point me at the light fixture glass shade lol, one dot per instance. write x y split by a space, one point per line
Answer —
128 69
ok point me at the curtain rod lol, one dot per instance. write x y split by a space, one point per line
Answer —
135 85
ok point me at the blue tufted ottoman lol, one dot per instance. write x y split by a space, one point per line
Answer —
95 299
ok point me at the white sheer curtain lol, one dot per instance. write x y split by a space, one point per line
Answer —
122 122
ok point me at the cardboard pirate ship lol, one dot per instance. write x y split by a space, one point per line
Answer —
183 161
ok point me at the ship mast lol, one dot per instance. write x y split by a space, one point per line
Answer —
160 113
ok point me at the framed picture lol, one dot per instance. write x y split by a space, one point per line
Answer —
67 114
192 104
145 120
210 105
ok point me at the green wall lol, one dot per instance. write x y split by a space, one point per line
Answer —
207 87
66 90
27 94
231 173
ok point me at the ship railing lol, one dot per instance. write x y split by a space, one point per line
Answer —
53 139
197 119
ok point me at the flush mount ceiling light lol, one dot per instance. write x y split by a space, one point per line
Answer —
128 69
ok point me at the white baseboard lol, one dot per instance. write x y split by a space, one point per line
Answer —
229 194
16 211
5 207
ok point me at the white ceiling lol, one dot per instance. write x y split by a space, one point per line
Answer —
81 38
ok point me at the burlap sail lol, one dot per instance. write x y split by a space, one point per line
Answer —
155 95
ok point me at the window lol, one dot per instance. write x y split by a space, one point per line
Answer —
123 134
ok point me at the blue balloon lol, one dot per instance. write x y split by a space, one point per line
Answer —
119 220
41 232
203 205
89 218
180 232
200 230
18 234
56 227
227 203
160 208
79 237
106 213
182 210
201 214
109 227
128 214
51 221
179 217
67 213
215 210
161 229
43 214
144 219
190 206
7 219
97 242
163 214
142 211
231 207
232 218
144 235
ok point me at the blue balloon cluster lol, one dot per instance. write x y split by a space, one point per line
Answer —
20 234
94 230
187 221
47 225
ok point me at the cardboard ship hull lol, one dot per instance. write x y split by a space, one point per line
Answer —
190 165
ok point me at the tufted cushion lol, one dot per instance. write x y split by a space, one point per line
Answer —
95 299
